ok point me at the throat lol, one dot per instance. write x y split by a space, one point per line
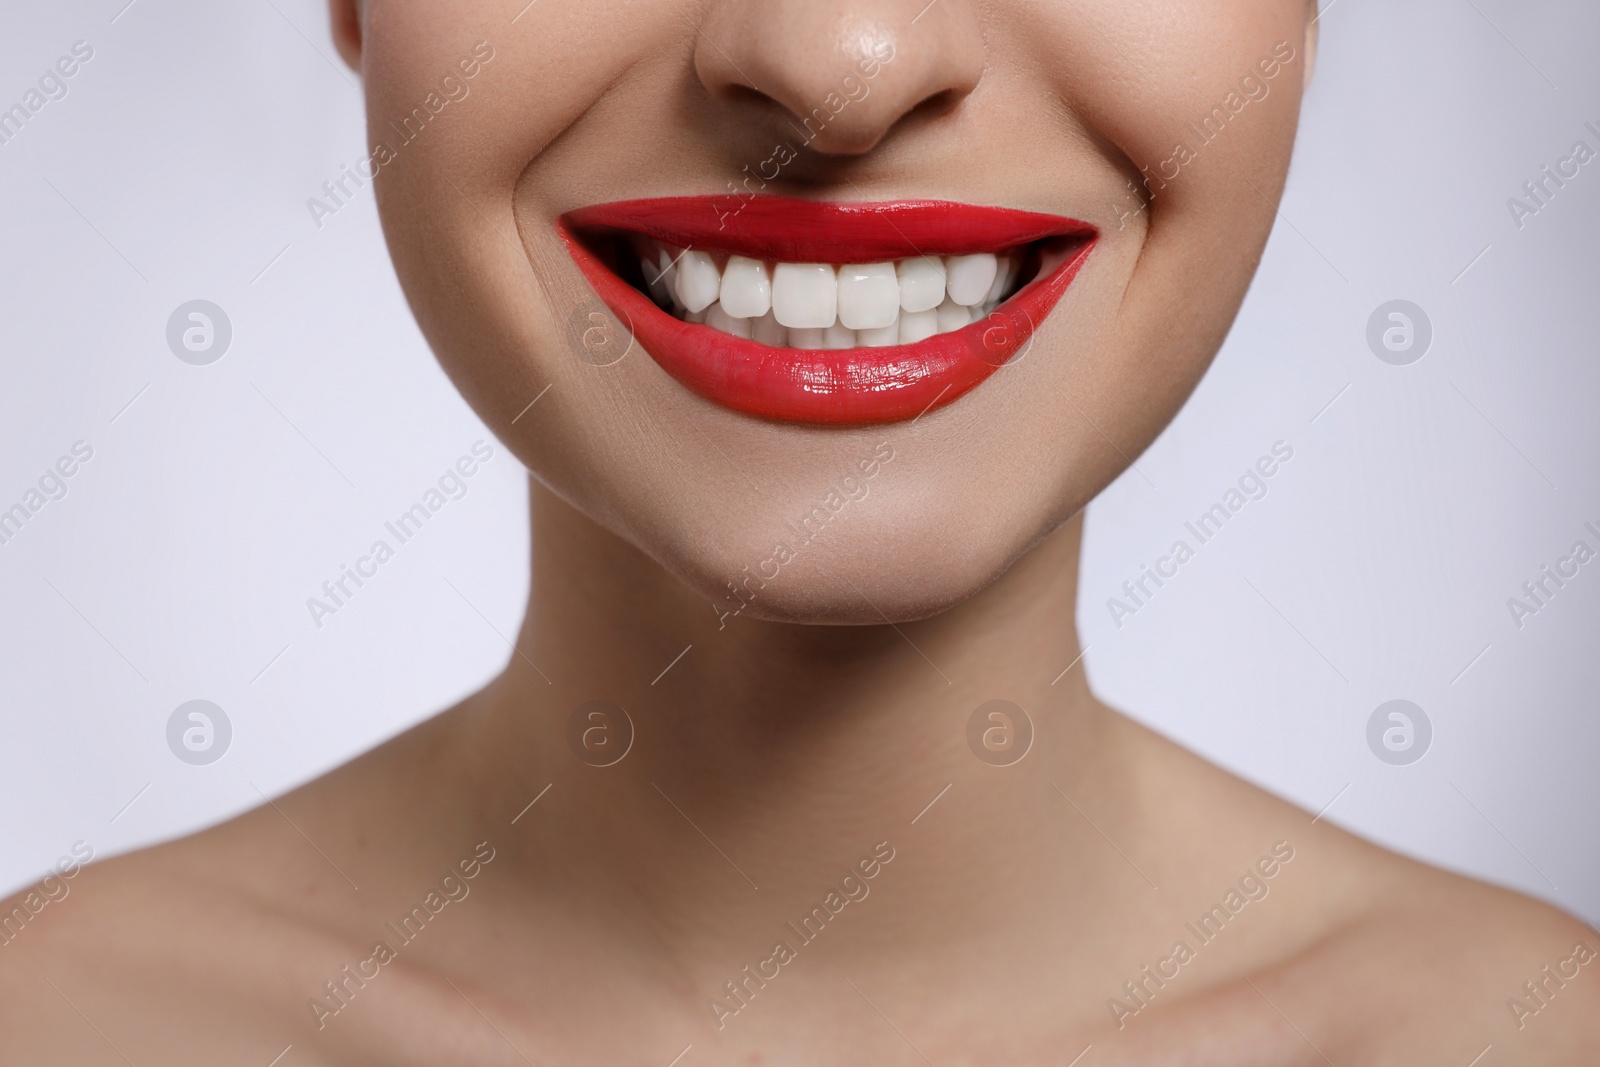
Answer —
741 770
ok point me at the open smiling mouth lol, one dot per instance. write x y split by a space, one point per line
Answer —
843 314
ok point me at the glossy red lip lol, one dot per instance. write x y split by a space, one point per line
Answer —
853 386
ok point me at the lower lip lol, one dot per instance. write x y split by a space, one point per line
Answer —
840 387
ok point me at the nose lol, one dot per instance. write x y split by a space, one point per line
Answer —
841 72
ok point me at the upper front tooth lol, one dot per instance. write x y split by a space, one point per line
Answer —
921 283
869 295
805 295
970 277
1002 279
746 289
698 282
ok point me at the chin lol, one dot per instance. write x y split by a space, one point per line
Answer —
907 544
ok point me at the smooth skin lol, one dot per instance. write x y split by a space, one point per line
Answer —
784 748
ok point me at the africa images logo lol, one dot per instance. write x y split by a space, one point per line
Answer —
339 190
852 886
339 991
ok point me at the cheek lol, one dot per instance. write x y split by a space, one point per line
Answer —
1151 90
1205 225
1166 64
462 194
544 73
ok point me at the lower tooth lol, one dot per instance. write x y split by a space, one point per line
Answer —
888 335
918 326
719 319
805 337
952 316
769 331
838 336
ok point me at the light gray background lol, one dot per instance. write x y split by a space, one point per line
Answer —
219 498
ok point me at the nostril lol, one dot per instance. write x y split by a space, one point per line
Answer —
936 105
852 130
941 102
736 94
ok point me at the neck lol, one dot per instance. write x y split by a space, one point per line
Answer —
768 758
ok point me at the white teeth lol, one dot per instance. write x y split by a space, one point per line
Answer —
969 277
819 306
889 335
1009 265
951 315
655 278
805 295
918 326
699 282
869 295
921 283
838 336
769 331
718 318
746 289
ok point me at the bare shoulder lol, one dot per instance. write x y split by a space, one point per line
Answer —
210 948
1360 956
1438 967
1420 967
186 951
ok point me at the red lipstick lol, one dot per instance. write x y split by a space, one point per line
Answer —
851 386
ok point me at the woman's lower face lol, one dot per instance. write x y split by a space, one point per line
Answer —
927 274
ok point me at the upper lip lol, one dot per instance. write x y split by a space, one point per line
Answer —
809 231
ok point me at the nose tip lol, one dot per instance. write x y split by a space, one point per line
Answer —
840 73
